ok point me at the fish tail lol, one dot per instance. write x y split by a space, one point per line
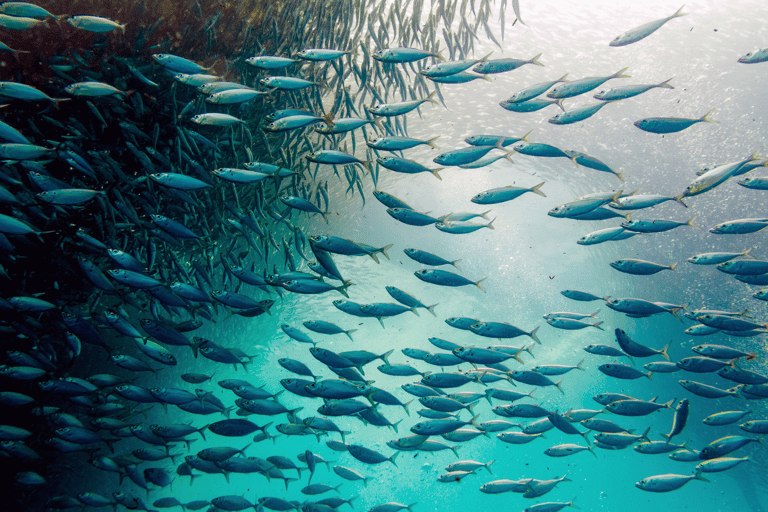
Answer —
508 156
698 476
431 98
385 249
413 310
535 60
431 309
665 84
558 384
620 74
706 118
477 283
578 365
431 142
620 175
679 199
690 223
485 216
455 263
535 338
435 171
664 351
672 266
487 78
645 434
559 103
392 459
490 224
384 357
677 15
405 406
536 190
349 333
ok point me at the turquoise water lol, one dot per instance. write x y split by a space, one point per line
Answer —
527 260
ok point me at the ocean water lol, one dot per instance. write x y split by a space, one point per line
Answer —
525 261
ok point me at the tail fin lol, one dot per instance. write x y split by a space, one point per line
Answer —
705 118
432 144
535 60
665 84
677 15
349 333
490 224
535 338
620 74
477 283
536 190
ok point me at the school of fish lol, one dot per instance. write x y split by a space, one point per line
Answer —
147 197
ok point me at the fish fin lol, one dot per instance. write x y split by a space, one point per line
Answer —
477 283
431 98
385 249
392 458
559 103
349 333
664 351
487 78
455 264
620 74
677 15
578 365
490 224
698 472
535 60
690 223
679 199
381 321
558 384
435 171
431 142
489 395
385 355
536 190
431 309
598 325
705 118
665 84
535 338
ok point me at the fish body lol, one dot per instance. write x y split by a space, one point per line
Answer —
643 31
670 124
666 483
629 91
503 194
582 85
503 65
401 55
401 108
445 278
577 114
399 143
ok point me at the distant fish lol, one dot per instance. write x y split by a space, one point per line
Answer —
643 31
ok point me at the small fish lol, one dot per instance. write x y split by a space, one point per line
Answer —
643 31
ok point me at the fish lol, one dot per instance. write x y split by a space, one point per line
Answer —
643 31
671 124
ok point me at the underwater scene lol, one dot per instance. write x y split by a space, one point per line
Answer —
379 256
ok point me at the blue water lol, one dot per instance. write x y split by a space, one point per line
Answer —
527 260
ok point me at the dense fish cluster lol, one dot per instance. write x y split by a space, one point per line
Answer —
151 198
